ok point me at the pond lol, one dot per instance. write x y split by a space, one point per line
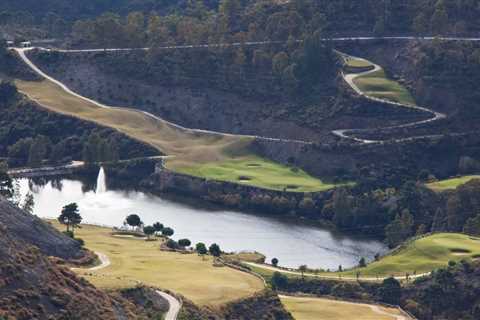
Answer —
293 243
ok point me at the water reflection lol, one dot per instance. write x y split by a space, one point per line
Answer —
293 244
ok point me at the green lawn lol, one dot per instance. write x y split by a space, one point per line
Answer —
357 63
419 256
376 84
450 184
256 171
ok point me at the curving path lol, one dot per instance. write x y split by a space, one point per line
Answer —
173 303
349 133
342 278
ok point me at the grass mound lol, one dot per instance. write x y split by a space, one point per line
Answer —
134 260
451 184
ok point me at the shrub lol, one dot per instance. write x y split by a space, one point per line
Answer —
172 244
68 234
184 242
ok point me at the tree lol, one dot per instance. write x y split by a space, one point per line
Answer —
158 226
303 268
168 232
6 184
184 242
390 291
214 250
279 280
399 229
472 226
274 262
7 91
148 230
28 203
362 263
70 217
133 220
201 248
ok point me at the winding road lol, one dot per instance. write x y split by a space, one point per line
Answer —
349 133
349 78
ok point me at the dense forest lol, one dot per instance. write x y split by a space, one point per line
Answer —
265 19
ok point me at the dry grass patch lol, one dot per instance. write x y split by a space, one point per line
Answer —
304 308
135 260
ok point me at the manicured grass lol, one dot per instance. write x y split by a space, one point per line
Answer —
258 172
450 184
417 257
376 84
211 156
305 308
135 260
357 63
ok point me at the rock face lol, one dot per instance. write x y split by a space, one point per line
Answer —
30 230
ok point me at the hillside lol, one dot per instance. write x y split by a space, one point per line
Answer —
32 286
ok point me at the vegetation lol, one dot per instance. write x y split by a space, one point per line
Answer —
450 184
187 274
377 84
259 172
70 217
305 308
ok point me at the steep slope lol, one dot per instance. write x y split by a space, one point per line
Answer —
33 287
27 229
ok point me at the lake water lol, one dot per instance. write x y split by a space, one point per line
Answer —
293 244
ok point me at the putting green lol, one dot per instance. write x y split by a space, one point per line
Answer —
134 260
450 184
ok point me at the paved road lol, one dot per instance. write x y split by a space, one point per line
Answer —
350 133
343 278
173 303
375 308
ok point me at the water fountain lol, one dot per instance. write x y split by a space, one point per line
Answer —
101 183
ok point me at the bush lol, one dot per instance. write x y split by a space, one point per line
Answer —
68 234
80 240
279 280
184 242
172 244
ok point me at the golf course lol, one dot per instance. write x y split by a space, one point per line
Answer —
415 258
135 260
451 184
307 308
205 154
376 84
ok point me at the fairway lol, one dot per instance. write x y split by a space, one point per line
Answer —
258 172
451 184
203 154
135 260
376 84
418 257
305 308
